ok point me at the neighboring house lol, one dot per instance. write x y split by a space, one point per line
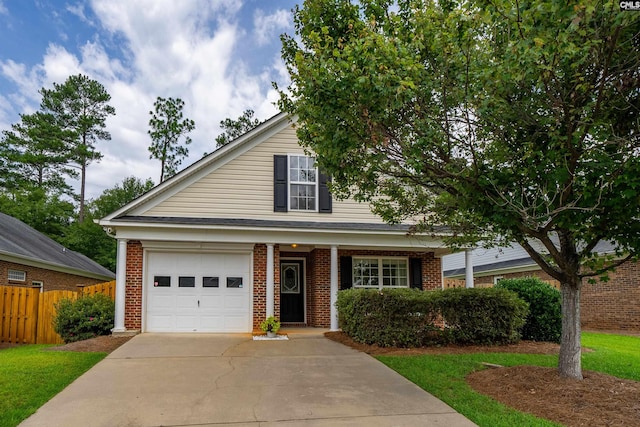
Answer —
249 231
29 258
605 305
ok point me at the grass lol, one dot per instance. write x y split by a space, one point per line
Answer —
29 377
444 375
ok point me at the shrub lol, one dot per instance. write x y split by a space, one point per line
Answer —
482 315
394 317
544 322
86 317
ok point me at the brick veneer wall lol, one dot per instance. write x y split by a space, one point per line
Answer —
133 287
612 305
260 283
52 280
318 279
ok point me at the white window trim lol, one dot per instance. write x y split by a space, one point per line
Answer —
38 284
496 279
289 183
380 281
14 279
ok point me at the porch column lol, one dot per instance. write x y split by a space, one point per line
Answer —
334 287
468 268
270 274
121 286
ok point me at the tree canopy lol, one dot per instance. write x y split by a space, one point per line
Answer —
79 108
506 121
235 128
167 126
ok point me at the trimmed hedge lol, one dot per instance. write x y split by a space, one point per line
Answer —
86 317
391 318
482 315
413 318
544 322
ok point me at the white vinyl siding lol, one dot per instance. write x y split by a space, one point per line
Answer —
243 188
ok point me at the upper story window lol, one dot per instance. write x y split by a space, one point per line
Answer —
17 275
299 186
303 183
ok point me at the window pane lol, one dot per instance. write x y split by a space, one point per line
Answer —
365 272
186 282
234 282
162 281
210 282
17 275
394 272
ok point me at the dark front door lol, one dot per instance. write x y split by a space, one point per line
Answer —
291 291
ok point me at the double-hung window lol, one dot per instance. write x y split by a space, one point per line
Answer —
17 275
379 273
303 183
299 186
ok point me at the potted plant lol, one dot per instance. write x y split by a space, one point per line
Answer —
271 326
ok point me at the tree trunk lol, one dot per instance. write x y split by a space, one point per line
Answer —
570 363
82 185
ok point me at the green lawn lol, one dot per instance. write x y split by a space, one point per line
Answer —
444 375
29 377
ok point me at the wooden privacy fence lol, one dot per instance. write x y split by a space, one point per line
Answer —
26 314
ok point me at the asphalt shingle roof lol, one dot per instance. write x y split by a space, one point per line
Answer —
18 239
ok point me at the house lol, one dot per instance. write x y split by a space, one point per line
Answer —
29 258
604 305
251 231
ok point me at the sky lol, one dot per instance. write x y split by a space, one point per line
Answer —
219 56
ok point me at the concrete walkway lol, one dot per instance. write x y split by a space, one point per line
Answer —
231 380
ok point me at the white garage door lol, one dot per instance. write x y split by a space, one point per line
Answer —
195 292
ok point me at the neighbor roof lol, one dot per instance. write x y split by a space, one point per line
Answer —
22 244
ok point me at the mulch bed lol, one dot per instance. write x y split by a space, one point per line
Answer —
103 344
598 400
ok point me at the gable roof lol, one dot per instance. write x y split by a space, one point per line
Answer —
203 167
22 244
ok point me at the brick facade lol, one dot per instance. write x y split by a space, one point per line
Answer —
133 287
317 281
612 305
52 280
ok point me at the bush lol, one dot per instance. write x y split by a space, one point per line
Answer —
389 318
544 322
87 317
482 315
412 318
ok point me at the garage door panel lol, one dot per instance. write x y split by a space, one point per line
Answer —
214 297
235 302
213 322
235 323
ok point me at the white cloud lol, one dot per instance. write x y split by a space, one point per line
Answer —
3 9
78 10
268 27
164 48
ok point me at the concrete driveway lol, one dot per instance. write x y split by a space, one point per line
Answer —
231 380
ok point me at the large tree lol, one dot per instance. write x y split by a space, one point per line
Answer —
167 127
80 109
235 128
88 237
506 120
37 155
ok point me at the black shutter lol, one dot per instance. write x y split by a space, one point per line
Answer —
280 182
415 273
324 204
346 275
